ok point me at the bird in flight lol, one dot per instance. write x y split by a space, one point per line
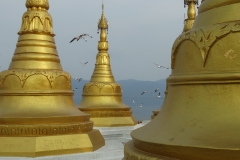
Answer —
156 90
143 92
82 36
141 105
78 79
159 95
133 101
83 64
75 89
160 66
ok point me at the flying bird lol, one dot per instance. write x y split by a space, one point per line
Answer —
159 95
83 64
156 90
143 92
75 89
82 36
160 66
133 101
78 79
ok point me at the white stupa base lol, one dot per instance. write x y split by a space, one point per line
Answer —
115 138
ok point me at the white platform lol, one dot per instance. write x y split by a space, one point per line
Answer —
115 138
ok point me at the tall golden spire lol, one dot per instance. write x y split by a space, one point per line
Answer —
102 71
102 96
37 113
188 23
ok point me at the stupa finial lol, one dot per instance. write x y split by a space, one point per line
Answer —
103 27
102 23
102 6
187 2
188 23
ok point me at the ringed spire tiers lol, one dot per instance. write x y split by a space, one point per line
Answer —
200 117
102 96
37 113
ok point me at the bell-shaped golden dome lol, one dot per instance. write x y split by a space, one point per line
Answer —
199 119
37 114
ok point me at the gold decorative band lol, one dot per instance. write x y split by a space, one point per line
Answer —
44 130
35 93
108 113
204 78
102 94
23 75
130 152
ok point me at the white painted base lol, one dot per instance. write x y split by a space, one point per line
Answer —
115 138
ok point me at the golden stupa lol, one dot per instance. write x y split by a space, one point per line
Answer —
102 96
200 117
37 113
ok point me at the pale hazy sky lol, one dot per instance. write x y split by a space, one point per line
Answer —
141 32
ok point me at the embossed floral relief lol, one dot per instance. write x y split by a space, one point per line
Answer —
36 21
41 130
107 89
110 113
24 75
103 60
205 38
95 87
